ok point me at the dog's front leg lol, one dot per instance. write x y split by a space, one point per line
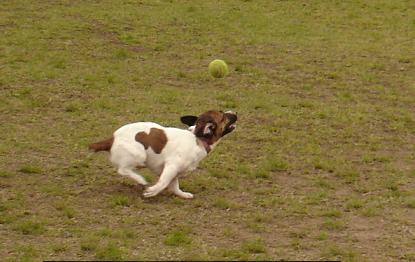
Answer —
168 174
175 189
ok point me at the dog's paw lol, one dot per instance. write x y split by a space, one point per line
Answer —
150 192
143 182
185 195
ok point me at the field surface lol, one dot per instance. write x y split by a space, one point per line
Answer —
321 165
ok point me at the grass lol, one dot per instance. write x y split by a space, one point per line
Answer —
120 201
222 203
321 165
178 238
6 174
28 169
110 251
254 246
30 228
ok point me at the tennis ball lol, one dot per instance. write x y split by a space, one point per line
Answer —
218 68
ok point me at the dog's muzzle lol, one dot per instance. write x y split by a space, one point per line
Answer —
231 125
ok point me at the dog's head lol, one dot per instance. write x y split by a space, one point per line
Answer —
211 125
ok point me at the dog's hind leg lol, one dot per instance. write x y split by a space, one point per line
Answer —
125 171
175 189
126 157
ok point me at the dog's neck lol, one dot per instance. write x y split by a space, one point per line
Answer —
204 143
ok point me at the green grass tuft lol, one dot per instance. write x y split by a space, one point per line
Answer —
410 202
6 174
110 251
30 228
120 200
28 169
254 246
178 238
89 244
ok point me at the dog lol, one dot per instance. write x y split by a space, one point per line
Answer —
166 151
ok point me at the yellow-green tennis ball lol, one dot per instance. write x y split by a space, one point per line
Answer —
218 68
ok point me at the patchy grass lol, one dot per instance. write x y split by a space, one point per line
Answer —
28 169
336 252
254 246
6 174
89 244
110 251
323 153
178 238
223 203
120 200
30 228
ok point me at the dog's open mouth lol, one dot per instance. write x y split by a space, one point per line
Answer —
231 125
230 128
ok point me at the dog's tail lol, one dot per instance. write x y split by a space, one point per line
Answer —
104 145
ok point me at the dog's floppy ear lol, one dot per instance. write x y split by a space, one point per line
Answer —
188 120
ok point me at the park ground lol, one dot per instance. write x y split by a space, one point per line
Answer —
321 165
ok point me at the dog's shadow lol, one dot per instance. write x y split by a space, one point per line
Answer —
125 187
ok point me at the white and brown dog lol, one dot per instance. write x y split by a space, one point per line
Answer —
166 151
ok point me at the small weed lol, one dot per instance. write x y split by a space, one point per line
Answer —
316 198
181 75
276 164
234 254
228 232
28 169
60 64
52 189
261 173
73 107
66 210
27 253
6 174
120 200
218 173
222 203
335 252
323 236
354 203
255 227
350 176
370 211
392 185
409 256
325 165
89 244
332 213
333 225
254 246
320 182
58 247
109 252
243 169
296 244
239 69
30 228
69 212
178 238
298 234
410 202
121 54
104 232
262 218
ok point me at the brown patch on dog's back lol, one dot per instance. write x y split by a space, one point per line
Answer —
156 139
